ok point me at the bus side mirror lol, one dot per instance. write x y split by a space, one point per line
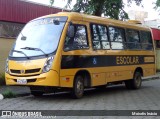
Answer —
70 32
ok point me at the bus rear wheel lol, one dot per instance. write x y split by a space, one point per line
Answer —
78 87
134 83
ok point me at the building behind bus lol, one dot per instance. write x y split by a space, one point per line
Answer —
14 14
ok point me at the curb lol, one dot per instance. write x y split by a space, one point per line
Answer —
151 78
23 94
16 90
1 97
16 95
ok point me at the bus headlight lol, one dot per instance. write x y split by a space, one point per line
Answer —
48 64
7 67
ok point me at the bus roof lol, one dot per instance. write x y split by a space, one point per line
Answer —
73 16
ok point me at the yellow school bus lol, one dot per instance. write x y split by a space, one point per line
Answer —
75 51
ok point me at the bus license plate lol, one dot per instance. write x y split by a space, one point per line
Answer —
21 81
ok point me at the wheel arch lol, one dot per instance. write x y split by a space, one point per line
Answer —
86 76
139 69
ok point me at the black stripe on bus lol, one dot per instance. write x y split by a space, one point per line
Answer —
88 61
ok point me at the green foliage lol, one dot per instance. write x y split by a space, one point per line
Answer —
8 94
2 79
138 2
110 8
157 4
51 2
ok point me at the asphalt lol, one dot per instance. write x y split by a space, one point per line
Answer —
24 91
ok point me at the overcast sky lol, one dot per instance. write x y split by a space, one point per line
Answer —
147 7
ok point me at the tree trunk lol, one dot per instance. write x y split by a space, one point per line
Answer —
98 12
99 8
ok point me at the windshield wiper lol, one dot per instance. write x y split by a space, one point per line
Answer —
21 53
36 49
23 37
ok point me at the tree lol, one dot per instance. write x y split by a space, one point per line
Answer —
157 4
111 8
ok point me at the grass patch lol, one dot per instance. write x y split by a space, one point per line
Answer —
2 79
8 94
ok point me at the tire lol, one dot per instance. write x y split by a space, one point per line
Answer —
37 93
134 83
128 84
78 87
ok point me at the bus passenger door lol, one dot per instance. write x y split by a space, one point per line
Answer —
75 52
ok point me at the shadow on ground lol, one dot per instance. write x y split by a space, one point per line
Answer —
93 92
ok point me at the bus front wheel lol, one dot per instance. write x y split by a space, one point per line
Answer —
78 87
134 83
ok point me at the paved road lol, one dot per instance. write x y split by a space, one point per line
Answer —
113 98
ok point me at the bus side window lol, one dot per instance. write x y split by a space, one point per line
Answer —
146 40
133 40
117 37
79 41
99 37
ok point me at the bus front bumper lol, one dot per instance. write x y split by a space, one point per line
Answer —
50 78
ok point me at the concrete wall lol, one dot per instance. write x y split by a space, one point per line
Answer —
5 46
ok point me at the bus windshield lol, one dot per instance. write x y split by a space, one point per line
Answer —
39 37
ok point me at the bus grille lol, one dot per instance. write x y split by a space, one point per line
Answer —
25 71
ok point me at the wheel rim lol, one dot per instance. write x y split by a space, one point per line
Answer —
138 81
79 87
